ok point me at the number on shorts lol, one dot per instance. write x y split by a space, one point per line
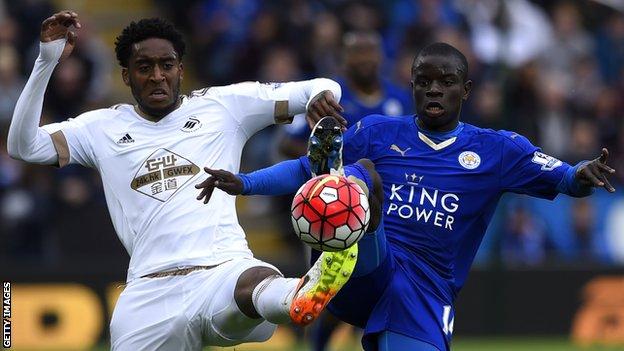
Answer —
448 326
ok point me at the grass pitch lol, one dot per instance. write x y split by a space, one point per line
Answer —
460 344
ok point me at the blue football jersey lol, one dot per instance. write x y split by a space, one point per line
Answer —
438 200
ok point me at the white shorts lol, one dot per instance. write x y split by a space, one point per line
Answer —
186 312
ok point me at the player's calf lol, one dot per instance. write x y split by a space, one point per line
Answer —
262 292
247 282
365 175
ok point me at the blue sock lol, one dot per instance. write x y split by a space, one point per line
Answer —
372 251
322 331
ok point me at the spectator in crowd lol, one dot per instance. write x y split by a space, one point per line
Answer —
584 136
217 30
524 238
414 23
583 225
571 42
610 48
11 82
507 32
325 44
364 90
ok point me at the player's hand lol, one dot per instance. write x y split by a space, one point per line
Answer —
594 173
57 27
322 105
219 179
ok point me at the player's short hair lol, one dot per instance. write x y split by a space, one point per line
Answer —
444 49
145 29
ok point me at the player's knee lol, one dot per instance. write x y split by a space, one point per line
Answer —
245 286
377 190
375 197
250 278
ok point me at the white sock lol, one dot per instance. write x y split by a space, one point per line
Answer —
272 298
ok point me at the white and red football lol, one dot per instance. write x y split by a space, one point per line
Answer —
330 213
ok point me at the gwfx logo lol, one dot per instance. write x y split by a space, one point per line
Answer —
162 174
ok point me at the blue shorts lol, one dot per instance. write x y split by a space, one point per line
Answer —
407 307
393 296
357 299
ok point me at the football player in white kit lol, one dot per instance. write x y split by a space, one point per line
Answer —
192 280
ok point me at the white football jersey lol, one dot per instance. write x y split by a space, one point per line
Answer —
149 169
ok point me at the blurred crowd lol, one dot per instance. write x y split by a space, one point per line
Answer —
550 70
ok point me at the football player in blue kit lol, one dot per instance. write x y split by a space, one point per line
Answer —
365 90
442 180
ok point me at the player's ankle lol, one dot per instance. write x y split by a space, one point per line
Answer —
272 298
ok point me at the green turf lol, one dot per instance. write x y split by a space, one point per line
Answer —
524 344
463 344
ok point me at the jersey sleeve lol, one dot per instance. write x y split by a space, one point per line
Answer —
73 140
257 105
525 169
357 141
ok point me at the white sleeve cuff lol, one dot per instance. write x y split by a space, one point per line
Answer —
51 51
322 84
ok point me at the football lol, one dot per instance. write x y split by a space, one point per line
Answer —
330 213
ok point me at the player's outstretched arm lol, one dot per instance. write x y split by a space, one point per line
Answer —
26 141
280 179
594 173
220 179
254 105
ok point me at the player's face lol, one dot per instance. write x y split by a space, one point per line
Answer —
439 91
154 74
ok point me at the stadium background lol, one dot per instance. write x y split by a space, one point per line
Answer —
547 274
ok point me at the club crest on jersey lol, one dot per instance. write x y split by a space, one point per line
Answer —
162 174
547 162
192 124
469 160
413 178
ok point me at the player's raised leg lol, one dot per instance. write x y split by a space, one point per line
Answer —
373 268
253 297
331 270
262 292
325 156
